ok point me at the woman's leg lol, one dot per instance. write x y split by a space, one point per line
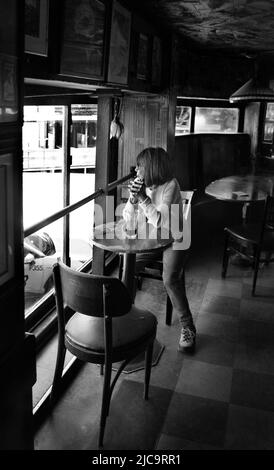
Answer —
174 262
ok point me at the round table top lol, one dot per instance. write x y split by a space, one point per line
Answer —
112 237
241 188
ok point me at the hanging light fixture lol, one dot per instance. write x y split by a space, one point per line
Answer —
252 91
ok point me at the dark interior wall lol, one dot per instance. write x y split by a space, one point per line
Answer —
202 158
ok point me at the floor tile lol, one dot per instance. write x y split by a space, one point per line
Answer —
264 290
224 287
223 326
196 419
255 356
214 350
253 390
254 309
205 380
133 422
167 442
249 429
220 305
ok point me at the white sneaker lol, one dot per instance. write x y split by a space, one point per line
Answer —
187 339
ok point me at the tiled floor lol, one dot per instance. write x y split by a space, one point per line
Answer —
220 397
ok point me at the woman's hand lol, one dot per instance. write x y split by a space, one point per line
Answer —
137 189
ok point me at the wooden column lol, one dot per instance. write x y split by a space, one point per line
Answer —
105 104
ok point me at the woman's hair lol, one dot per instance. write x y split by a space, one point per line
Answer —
157 165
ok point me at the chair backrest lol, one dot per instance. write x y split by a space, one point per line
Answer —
186 200
268 219
86 293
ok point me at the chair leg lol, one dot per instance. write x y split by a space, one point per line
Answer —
168 311
105 403
61 353
225 256
256 269
101 369
148 360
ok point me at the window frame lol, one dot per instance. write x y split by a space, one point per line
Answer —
45 306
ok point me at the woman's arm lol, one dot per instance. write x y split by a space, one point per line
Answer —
160 216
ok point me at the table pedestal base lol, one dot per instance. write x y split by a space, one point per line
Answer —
138 363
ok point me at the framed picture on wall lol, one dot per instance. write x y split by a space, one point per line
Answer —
119 44
8 88
83 43
142 60
36 26
156 61
7 219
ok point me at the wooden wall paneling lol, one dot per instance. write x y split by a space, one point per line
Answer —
105 112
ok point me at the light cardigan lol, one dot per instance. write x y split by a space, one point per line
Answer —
162 208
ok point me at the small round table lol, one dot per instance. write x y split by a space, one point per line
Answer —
245 189
112 237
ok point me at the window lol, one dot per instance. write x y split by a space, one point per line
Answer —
183 119
269 123
45 189
216 120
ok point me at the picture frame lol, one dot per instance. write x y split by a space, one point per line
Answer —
119 44
83 44
7 218
156 61
8 88
36 27
142 60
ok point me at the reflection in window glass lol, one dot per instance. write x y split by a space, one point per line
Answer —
83 134
183 116
41 251
216 120
269 123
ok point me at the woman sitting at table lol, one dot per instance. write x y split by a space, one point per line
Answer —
157 193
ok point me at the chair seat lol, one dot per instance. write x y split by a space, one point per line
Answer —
251 234
88 332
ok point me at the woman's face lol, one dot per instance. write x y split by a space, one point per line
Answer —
140 171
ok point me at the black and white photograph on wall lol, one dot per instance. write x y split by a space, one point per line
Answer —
83 43
142 61
119 44
36 26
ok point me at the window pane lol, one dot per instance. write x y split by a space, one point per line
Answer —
81 223
269 122
42 196
83 135
216 120
43 162
41 251
183 117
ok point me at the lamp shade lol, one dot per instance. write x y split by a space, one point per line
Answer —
252 91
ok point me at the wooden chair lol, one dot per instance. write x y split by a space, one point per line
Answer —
106 328
157 264
257 237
